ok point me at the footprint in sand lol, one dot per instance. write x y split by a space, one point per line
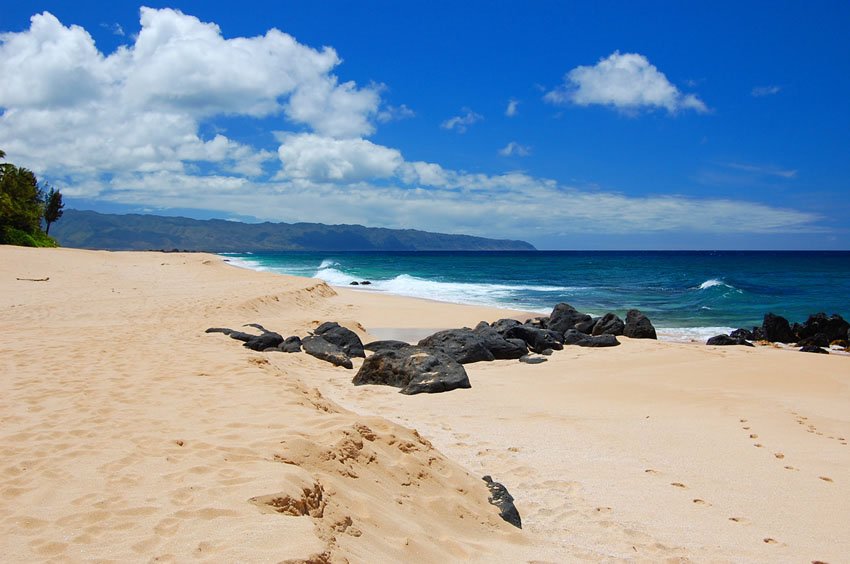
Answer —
791 468
758 445
701 502
768 540
779 455
651 471
825 478
753 436
741 520
678 485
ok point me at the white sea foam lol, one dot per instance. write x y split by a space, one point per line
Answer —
711 283
244 263
690 334
327 263
493 295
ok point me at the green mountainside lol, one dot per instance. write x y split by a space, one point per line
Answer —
92 230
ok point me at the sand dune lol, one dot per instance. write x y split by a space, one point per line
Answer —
128 434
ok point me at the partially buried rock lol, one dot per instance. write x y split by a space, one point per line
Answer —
813 349
529 359
500 497
385 345
413 369
318 347
463 345
610 324
727 340
291 344
638 326
344 338
575 337
816 340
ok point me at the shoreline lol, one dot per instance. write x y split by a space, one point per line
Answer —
148 438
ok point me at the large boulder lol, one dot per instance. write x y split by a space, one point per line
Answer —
727 340
317 346
498 346
610 324
638 326
833 327
538 340
413 369
503 325
344 338
463 345
575 337
564 316
776 329
587 325
745 334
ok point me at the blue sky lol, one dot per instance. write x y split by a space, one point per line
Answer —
577 126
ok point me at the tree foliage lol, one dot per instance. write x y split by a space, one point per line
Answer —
22 207
52 207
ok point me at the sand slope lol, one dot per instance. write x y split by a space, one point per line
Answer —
129 434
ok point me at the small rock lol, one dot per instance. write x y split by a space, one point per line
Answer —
529 359
500 497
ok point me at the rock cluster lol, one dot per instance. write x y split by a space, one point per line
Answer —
435 364
817 333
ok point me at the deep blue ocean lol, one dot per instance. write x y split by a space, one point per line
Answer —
688 294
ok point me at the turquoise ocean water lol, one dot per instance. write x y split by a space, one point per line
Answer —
690 294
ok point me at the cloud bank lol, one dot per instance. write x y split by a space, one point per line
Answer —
131 127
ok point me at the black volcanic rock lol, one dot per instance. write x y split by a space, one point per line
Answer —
389 344
564 316
503 325
344 338
610 324
813 349
498 346
726 340
463 345
414 370
587 325
291 344
575 337
318 347
833 327
777 329
742 334
538 340
816 340
638 326
500 497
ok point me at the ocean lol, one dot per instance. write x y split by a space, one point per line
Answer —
687 295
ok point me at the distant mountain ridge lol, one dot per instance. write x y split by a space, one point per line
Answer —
93 230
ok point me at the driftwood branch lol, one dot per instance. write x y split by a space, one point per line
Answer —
34 279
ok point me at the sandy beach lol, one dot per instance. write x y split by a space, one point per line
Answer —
129 434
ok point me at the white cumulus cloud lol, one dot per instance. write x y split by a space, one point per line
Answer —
462 122
759 91
627 82
322 159
514 148
513 108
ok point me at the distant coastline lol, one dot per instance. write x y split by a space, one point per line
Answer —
136 232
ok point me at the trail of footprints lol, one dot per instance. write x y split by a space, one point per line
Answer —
801 420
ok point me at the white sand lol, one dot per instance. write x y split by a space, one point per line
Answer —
128 434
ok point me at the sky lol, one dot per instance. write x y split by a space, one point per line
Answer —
593 125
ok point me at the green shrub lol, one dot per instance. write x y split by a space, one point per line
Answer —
12 236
